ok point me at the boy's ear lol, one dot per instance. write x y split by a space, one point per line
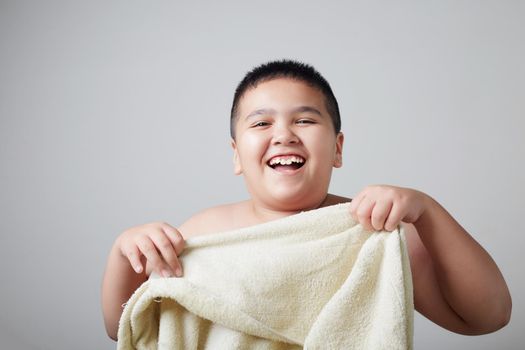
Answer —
237 169
338 160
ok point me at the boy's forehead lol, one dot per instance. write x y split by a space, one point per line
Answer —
280 92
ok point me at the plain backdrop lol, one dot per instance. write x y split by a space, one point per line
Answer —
116 113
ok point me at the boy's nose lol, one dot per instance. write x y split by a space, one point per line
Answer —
284 135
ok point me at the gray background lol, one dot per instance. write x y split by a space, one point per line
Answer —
115 114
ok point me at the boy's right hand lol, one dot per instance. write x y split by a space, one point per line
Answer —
153 246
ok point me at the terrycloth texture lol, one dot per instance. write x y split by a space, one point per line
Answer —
314 280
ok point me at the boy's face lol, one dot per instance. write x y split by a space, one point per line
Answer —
279 122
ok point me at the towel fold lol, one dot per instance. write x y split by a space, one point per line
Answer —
314 280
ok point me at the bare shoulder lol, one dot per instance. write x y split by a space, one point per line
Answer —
214 219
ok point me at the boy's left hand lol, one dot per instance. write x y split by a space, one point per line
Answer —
383 207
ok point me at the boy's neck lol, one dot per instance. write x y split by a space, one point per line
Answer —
265 213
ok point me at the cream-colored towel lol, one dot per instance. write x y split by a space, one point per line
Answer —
314 280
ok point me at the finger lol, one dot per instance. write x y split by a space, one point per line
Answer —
175 237
363 213
148 249
354 204
133 255
167 252
394 218
380 214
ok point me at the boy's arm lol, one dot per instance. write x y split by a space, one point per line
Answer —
456 283
119 282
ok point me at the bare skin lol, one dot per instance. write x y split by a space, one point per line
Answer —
456 283
459 288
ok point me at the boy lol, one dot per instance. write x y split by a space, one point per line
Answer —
286 138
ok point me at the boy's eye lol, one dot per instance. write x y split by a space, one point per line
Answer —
261 123
305 121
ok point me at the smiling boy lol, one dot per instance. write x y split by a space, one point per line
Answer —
286 139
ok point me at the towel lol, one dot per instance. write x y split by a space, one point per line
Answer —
313 280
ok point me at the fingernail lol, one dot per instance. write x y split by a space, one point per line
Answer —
178 272
166 273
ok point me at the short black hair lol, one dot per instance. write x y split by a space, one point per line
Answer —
291 69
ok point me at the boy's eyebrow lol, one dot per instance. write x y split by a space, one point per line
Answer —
261 112
300 109
307 109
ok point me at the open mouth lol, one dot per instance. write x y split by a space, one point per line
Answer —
286 163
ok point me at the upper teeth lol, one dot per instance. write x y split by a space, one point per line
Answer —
287 160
